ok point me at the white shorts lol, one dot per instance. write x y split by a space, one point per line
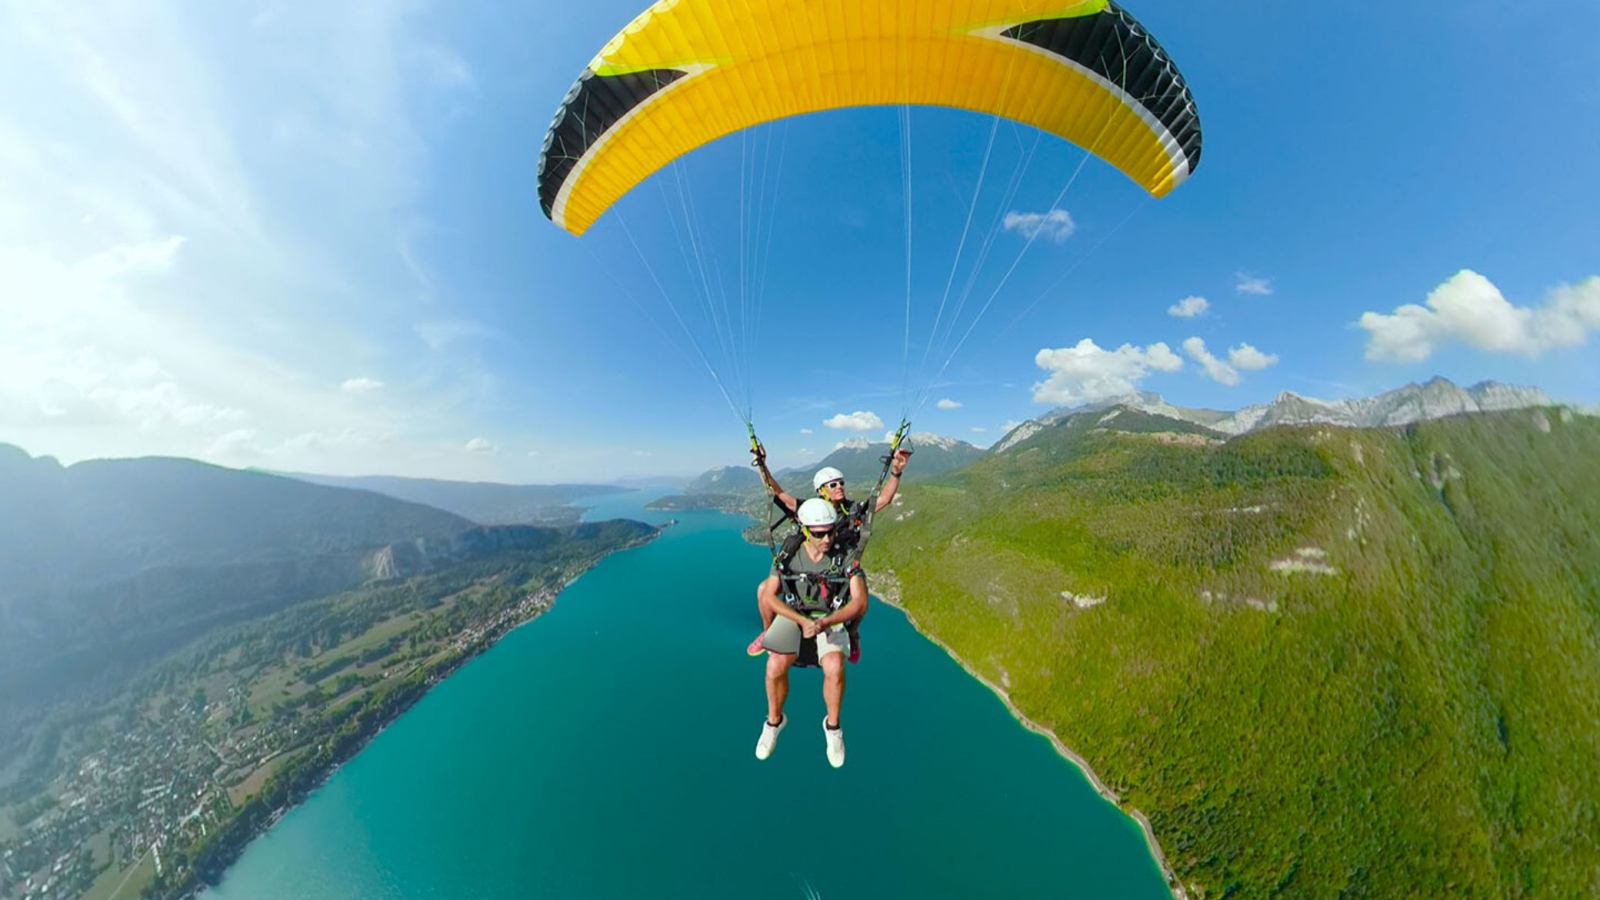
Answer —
784 637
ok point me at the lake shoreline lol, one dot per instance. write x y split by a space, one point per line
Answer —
540 601
887 588
252 828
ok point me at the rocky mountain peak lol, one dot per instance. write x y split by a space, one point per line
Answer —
1436 398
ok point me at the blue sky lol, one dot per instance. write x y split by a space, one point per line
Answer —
306 236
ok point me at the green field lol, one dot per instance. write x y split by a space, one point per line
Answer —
114 884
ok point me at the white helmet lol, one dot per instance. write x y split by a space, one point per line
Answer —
825 475
817 513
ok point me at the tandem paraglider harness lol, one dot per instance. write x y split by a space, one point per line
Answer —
854 527
813 594
857 518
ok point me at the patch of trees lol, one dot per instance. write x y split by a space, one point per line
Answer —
1407 720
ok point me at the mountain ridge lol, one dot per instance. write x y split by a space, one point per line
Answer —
105 564
861 460
1436 398
481 502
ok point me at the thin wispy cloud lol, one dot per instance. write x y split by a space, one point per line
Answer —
805 431
361 385
1469 309
175 251
1215 369
443 65
1189 307
856 421
1055 225
1086 372
1253 285
444 332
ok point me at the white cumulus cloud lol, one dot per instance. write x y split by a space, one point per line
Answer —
1215 369
1469 309
1245 283
947 403
482 445
1055 225
1086 372
856 421
1189 307
1249 358
360 385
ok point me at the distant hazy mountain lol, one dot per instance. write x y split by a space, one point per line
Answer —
861 461
672 482
1412 403
110 562
738 488
408 558
725 480
486 503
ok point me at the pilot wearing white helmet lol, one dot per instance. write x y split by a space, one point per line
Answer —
829 485
811 592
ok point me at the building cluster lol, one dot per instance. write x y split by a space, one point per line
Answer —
158 782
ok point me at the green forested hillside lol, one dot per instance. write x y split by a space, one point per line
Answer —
108 564
1324 662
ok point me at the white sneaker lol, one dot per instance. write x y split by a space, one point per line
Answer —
835 738
769 737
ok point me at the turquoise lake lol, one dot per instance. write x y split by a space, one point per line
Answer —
605 750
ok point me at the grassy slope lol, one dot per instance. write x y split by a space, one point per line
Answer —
1424 720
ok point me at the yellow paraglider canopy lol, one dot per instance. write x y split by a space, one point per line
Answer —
686 72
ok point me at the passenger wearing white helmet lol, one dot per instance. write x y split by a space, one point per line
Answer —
810 596
829 485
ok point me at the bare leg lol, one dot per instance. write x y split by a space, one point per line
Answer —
767 615
855 623
832 685
778 685
854 628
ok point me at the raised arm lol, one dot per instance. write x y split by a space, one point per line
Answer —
897 466
785 499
